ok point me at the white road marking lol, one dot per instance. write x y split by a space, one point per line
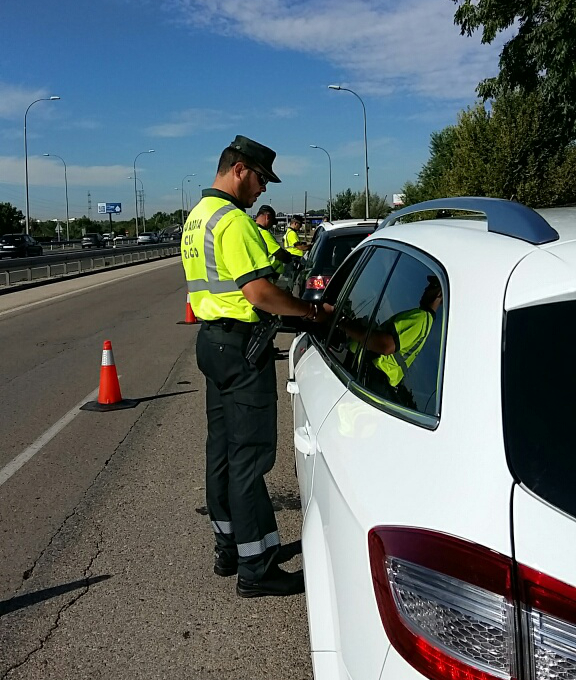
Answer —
21 459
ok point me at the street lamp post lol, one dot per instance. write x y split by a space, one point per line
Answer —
337 87
141 197
315 146
66 189
182 189
135 189
43 99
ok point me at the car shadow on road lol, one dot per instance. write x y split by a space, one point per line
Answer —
22 601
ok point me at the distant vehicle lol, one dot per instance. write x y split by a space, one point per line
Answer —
19 245
147 238
93 241
327 254
109 236
170 234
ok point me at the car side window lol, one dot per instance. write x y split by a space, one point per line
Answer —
357 306
402 350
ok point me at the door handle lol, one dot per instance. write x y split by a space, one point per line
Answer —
292 387
302 442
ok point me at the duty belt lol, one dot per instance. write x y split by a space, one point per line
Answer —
228 325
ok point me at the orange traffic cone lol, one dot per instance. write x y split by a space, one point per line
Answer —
190 317
109 395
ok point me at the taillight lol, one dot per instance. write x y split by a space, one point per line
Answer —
317 282
448 607
549 625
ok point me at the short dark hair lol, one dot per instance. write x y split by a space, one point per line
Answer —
266 210
230 157
297 218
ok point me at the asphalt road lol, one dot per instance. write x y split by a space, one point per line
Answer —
106 560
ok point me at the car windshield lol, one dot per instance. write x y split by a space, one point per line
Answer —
540 401
11 239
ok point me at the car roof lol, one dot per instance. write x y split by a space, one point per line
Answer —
339 224
344 231
524 257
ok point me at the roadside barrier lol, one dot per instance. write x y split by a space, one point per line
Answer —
109 395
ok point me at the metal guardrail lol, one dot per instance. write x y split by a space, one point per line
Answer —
35 269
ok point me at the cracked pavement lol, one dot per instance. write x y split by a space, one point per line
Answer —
121 584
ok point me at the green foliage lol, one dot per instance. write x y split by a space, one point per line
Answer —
378 207
540 57
342 205
10 219
508 151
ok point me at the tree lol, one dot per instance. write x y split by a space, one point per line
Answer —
10 219
503 151
431 182
541 57
378 207
342 205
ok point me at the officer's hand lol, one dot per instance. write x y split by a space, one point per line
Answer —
325 312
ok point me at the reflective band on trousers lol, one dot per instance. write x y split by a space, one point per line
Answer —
258 547
213 285
222 527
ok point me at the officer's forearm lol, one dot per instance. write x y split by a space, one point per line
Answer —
283 255
265 295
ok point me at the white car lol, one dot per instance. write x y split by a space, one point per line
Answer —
438 481
339 224
147 238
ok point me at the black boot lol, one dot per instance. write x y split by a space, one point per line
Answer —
275 582
225 564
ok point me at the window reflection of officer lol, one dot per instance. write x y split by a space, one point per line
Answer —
401 338
227 269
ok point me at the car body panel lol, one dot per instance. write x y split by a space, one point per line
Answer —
545 538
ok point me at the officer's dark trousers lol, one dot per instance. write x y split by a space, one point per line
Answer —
241 446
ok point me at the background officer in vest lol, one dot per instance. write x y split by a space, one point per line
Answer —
227 271
266 219
295 247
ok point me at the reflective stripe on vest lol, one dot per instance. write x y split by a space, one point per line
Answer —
213 285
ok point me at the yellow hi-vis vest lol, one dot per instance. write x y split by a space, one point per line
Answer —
290 239
222 250
272 247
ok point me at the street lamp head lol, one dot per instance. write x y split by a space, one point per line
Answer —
53 98
313 146
334 87
45 154
150 150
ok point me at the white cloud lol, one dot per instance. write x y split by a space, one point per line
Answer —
47 172
382 45
192 121
14 99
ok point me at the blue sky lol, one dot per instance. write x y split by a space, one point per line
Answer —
183 77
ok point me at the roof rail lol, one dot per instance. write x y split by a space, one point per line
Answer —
502 217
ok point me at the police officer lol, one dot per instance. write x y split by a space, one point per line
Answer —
227 271
266 219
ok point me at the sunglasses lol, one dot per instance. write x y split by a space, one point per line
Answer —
261 179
